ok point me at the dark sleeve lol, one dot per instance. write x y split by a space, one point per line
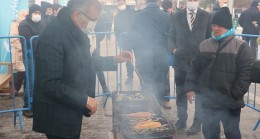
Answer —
209 28
25 31
193 74
50 57
244 63
171 41
134 35
105 63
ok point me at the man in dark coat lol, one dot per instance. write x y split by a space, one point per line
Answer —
221 71
65 72
188 28
245 20
29 27
122 23
47 13
148 39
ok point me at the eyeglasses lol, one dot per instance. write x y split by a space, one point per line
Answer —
91 19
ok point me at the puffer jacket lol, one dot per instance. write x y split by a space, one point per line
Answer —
17 55
223 79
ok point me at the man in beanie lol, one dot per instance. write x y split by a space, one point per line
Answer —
245 20
188 28
29 27
221 73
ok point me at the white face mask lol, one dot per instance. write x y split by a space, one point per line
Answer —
193 5
122 7
225 5
90 27
36 18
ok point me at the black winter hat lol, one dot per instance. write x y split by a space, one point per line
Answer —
223 18
34 8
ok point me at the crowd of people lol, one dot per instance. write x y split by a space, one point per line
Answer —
210 63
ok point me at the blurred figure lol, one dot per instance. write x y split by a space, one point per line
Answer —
219 4
47 13
103 24
17 54
56 8
29 27
122 23
148 39
221 71
188 28
167 6
245 20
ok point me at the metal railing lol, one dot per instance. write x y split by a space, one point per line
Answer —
15 110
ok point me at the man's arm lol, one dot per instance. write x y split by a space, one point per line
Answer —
209 29
190 86
244 62
171 41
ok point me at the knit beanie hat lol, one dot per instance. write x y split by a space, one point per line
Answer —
223 18
34 8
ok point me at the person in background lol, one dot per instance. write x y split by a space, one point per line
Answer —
245 20
221 71
65 72
103 24
122 23
29 27
219 4
17 54
56 8
167 6
188 28
47 13
148 39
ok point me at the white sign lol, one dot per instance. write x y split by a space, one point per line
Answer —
39 1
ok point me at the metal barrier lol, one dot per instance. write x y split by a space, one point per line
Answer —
18 111
250 100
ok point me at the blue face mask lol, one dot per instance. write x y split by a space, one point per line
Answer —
228 33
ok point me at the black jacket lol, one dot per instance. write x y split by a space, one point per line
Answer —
186 41
246 18
64 77
148 36
28 28
223 79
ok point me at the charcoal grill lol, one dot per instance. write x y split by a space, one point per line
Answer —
126 102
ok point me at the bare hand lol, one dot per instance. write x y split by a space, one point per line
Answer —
92 105
255 23
125 56
174 50
190 95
